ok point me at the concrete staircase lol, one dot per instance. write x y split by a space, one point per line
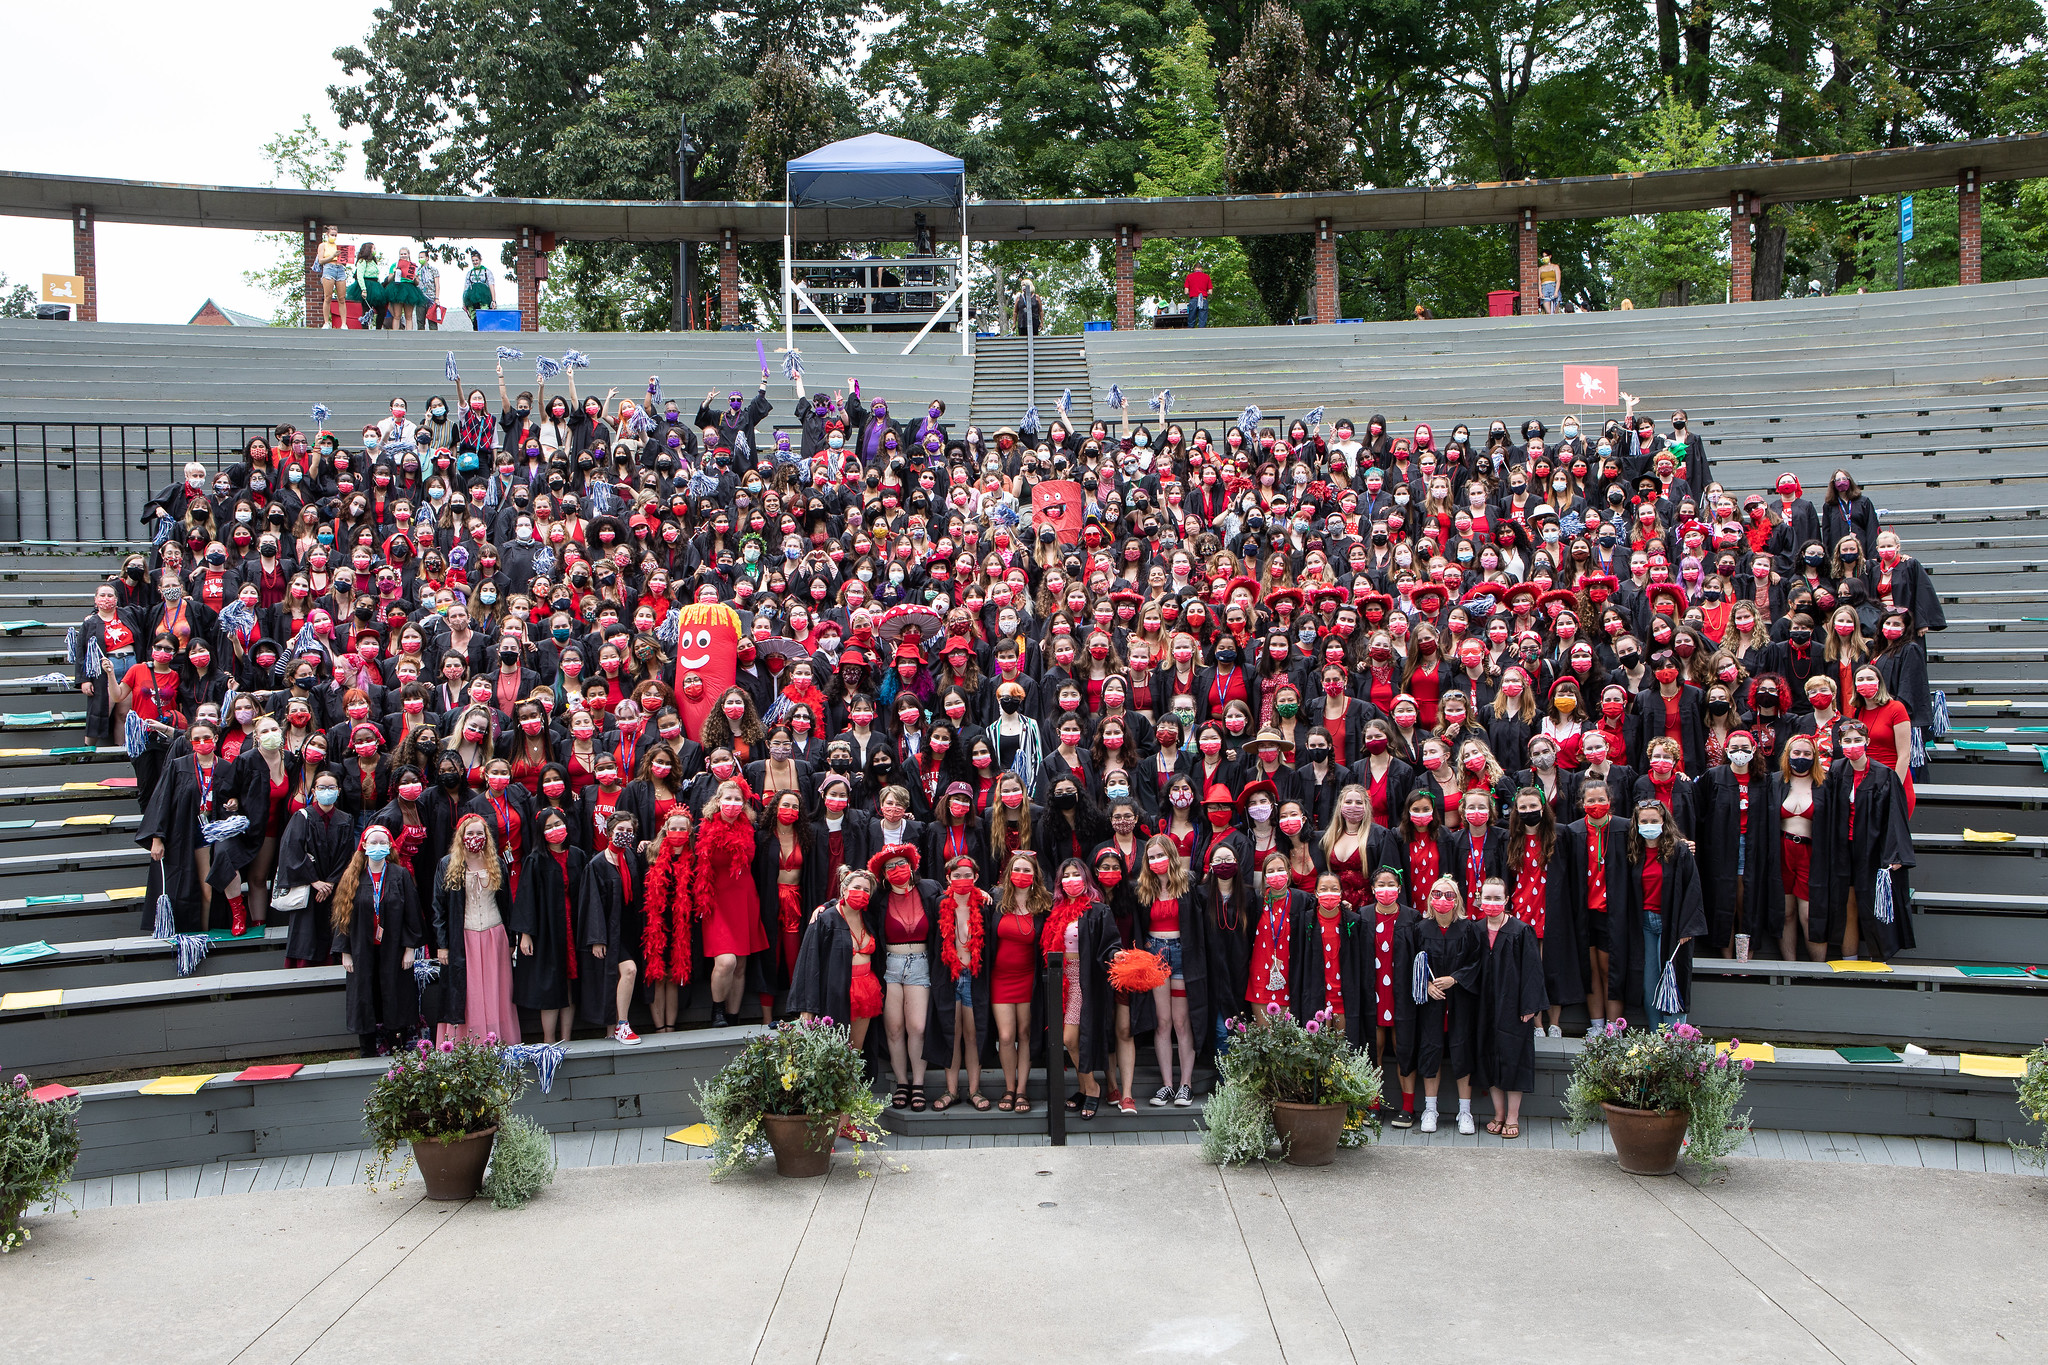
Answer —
1000 393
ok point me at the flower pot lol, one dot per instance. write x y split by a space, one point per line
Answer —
1646 1141
1309 1132
800 1150
454 1169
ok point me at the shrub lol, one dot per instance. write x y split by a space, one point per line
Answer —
1276 1059
38 1148
2033 1097
799 1068
438 1093
1673 1068
522 1160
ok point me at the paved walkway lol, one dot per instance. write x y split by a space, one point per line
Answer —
644 1146
1069 1255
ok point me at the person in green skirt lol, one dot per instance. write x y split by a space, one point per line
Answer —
479 291
367 287
402 291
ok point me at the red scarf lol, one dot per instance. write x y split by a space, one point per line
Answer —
670 907
950 952
1065 911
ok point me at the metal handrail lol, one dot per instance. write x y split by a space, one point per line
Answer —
78 483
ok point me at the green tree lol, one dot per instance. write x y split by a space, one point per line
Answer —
16 301
301 158
1284 134
1672 257
1183 154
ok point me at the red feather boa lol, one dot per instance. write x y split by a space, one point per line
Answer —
1065 911
671 907
950 952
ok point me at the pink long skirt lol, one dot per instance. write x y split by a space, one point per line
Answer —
489 1007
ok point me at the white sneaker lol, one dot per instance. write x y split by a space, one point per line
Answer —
1162 1097
1182 1098
1556 1032
1466 1126
624 1033
1596 1029
1429 1120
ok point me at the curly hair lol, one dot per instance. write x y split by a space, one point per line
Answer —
719 732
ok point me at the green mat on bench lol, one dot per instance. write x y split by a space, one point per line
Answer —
25 952
1994 746
1867 1054
229 936
71 749
69 898
11 627
1992 971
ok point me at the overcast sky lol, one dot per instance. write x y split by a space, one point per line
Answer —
158 92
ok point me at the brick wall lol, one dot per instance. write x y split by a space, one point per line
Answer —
316 294
1326 272
529 284
728 279
1126 277
1741 247
1530 259
84 263
1968 217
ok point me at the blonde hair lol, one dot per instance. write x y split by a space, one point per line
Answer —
1337 831
1174 884
458 867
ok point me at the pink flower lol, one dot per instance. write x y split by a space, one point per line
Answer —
20 1081
1273 1010
447 1047
490 1039
1749 1063
1314 1026
825 1021
1618 1026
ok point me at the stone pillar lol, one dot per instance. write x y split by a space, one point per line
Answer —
1326 272
84 264
1969 222
1530 259
729 279
528 277
1126 283
316 294
1741 246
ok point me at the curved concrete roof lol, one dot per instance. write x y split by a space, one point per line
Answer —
1852 174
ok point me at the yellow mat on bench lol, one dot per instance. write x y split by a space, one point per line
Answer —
31 1000
177 1085
1980 1064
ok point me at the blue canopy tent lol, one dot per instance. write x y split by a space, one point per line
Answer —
873 171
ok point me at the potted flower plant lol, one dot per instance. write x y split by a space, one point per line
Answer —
2032 1088
792 1091
1659 1090
447 1102
38 1148
1302 1085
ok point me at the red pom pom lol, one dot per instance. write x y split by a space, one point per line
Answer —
1137 972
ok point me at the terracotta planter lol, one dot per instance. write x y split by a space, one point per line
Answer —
455 1169
800 1150
1646 1141
1309 1132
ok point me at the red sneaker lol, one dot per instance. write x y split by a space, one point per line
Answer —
624 1033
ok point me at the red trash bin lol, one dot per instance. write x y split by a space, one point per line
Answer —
1500 303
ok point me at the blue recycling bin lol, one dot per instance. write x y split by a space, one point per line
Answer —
497 319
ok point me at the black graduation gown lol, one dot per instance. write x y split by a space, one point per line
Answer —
1842 864
1428 1034
1594 925
1692 724
173 815
1564 953
540 979
1097 944
1305 991
316 848
606 916
1683 812
99 707
1717 805
1685 916
1447 861
452 997
822 982
1492 861
1507 977
1228 922
381 996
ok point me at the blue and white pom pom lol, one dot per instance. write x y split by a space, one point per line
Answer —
448 369
425 971
213 831
1162 402
1667 999
546 368
1312 418
1116 398
542 1057
320 414
792 364
192 950
166 923
509 353
1029 425
1248 421
1419 983
575 360
1066 401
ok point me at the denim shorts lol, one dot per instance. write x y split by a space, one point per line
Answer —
334 270
1168 948
963 990
908 969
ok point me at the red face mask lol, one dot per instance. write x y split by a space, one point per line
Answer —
835 804
1022 880
856 897
899 875
558 835
497 782
1386 895
1109 877
552 786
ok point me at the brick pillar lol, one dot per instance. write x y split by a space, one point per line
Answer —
84 264
1326 272
1126 283
1530 260
316 299
528 279
728 279
1968 220
1741 246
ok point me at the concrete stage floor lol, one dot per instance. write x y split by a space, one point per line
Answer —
1074 1254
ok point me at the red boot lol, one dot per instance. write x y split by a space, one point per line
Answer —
239 923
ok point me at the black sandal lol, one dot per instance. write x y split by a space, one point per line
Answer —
1089 1105
944 1102
901 1099
980 1101
1073 1103
917 1105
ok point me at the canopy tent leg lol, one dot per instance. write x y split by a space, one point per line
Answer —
933 320
789 317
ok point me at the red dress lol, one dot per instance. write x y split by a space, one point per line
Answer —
1351 875
725 860
1383 969
1267 983
1016 960
1532 878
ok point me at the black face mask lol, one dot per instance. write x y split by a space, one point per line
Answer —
1065 800
1717 708
1012 705
840 765
1319 755
1800 763
1628 659
450 779
1801 637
